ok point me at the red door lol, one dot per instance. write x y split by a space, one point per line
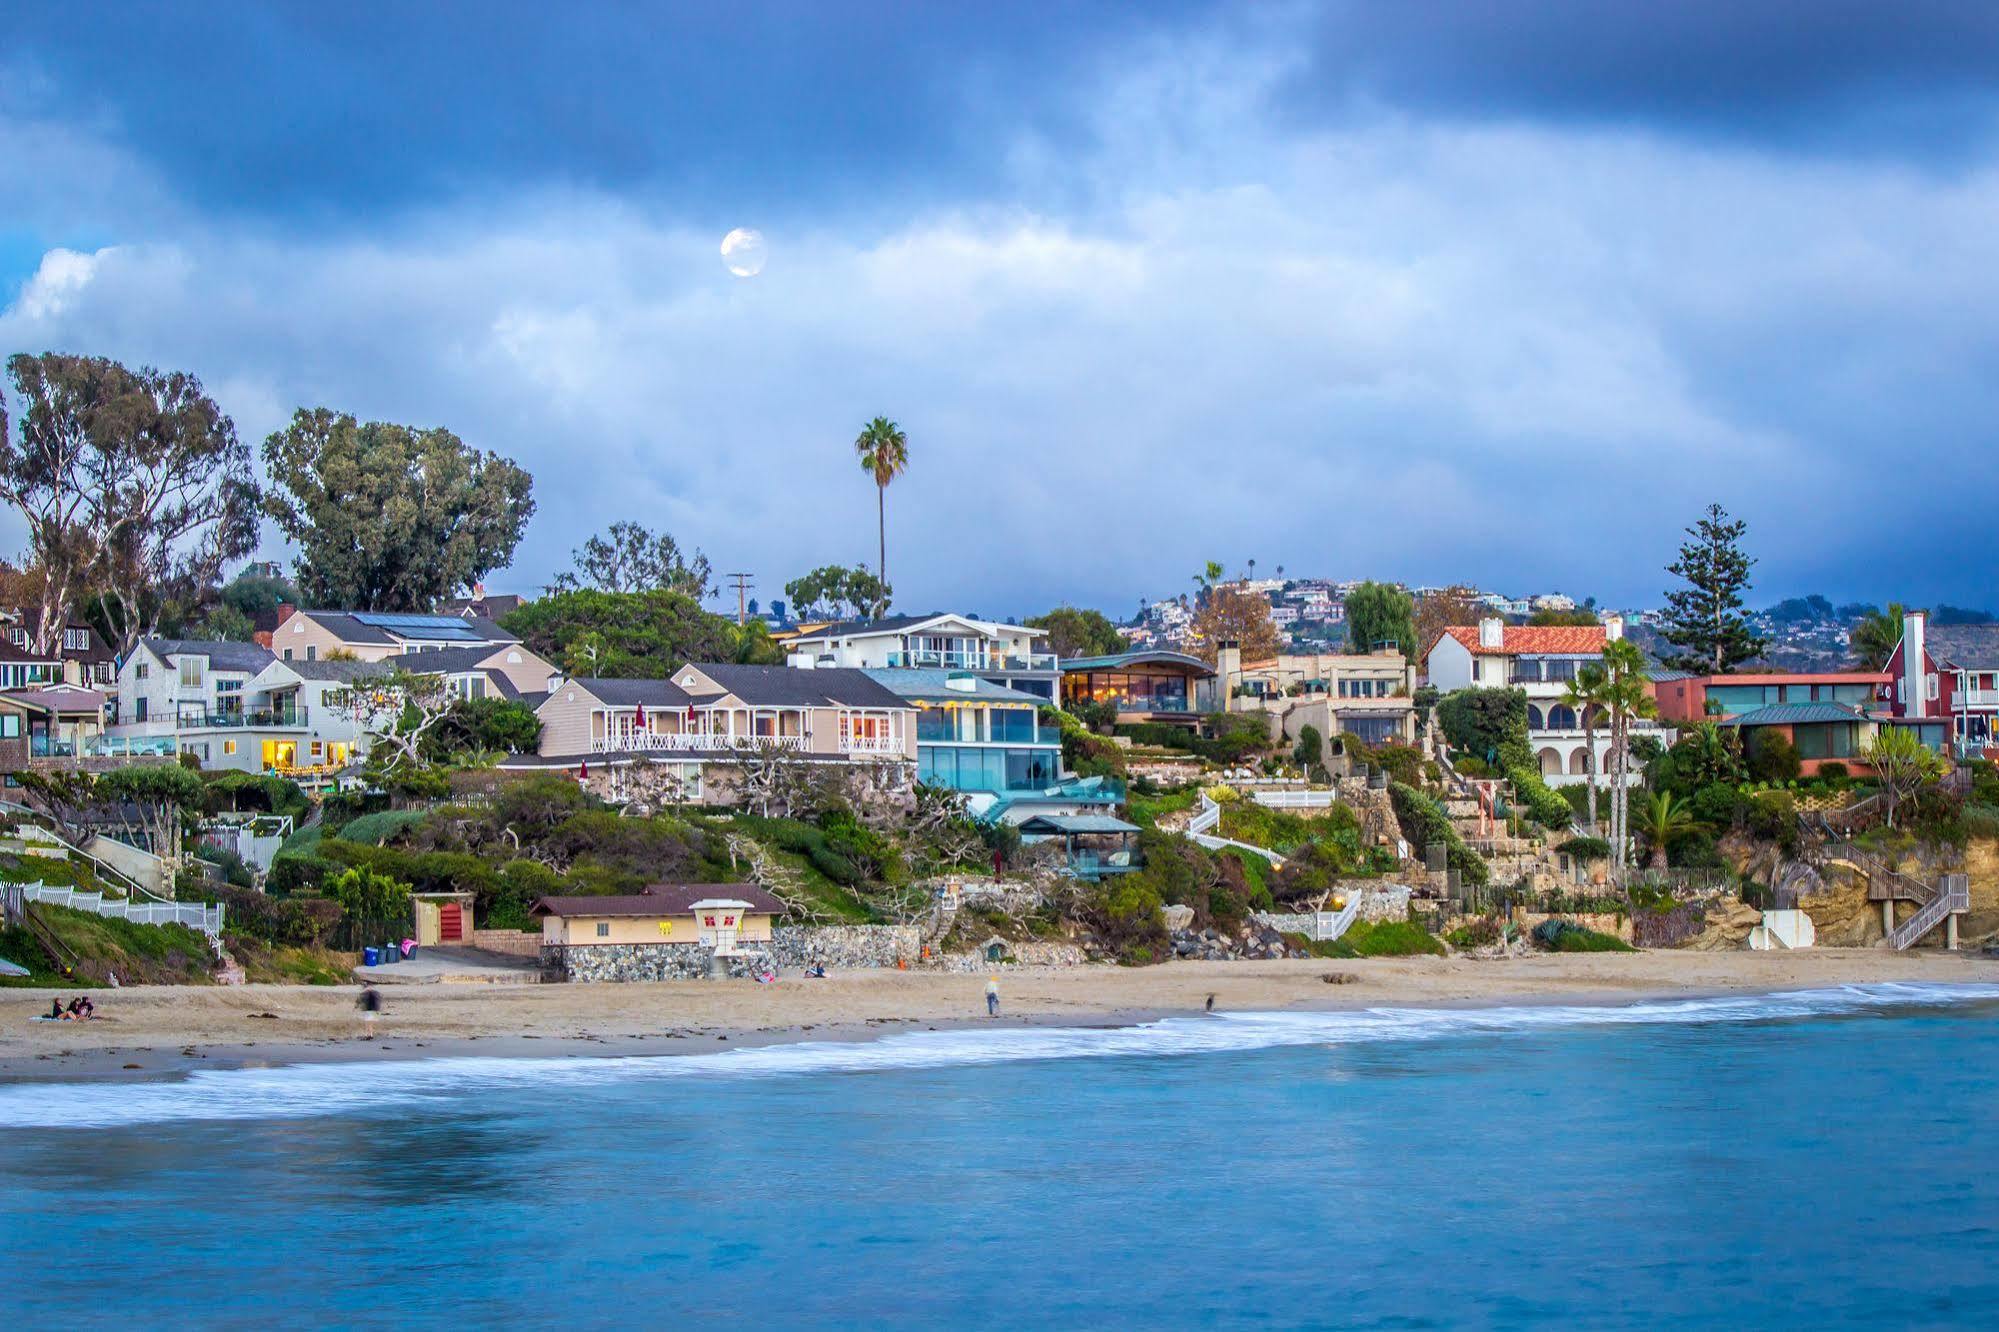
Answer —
450 923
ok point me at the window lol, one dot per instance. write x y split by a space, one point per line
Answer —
20 637
603 929
76 640
10 725
311 652
288 654
228 746
143 671
190 672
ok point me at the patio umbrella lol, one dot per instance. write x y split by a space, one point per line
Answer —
583 771
640 719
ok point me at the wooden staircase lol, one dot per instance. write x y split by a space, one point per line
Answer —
1936 903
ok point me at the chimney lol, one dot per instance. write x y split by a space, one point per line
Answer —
962 682
1492 632
1915 666
801 661
1228 670
1613 628
285 611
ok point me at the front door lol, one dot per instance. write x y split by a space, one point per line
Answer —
450 923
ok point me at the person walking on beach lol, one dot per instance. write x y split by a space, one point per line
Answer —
992 997
370 1004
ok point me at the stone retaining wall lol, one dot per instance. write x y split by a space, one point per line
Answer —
1603 922
643 962
1378 902
846 947
1028 953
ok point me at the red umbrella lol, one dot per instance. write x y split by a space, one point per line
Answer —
641 718
583 771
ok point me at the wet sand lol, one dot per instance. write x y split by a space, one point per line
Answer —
169 1028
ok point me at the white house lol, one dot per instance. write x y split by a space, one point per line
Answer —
1539 660
1005 654
235 705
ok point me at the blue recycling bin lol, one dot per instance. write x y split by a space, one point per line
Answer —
371 956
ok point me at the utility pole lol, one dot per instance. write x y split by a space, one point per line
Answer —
744 582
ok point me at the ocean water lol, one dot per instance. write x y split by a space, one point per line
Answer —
1819 1159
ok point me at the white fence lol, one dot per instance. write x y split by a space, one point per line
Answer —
1295 799
207 919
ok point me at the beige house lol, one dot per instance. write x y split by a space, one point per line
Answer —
669 931
638 738
1369 695
310 635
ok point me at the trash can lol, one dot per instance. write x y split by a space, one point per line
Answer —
371 956
388 953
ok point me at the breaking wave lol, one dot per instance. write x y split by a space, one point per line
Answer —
310 1090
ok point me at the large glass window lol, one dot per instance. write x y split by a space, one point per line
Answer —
934 724
1372 730
1014 725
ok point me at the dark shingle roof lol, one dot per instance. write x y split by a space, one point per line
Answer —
446 660
791 687
631 693
660 899
222 656
323 669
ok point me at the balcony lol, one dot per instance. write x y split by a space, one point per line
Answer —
975 661
646 742
1979 699
884 745
103 747
244 719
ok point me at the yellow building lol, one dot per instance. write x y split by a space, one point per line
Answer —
668 931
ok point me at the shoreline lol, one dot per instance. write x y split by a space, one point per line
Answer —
151 1032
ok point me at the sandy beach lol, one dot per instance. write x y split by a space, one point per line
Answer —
150 1030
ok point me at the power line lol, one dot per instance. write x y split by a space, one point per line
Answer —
744 582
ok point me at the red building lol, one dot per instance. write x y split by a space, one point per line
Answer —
1950 674
1686 698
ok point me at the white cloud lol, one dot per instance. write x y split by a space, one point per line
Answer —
56 282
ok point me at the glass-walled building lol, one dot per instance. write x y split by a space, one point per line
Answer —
975 736
1142 686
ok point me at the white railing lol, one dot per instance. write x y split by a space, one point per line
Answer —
1953 896
870 744
1980 698
650 741
194 915
1295 799
1206 817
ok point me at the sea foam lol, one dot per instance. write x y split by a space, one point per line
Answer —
307 1090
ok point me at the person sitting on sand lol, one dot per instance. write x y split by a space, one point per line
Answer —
82 1007
817 971
55 1010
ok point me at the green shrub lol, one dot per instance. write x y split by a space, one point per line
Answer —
305 922
300 872
1586 848
1482 721
1538 801
1565 936
377 828
1772 757
1381 938
1425 825
1980 821
1834 773
1128 918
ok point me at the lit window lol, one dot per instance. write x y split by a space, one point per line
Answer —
228 746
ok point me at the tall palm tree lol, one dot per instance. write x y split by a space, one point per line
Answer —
1626 698
1662 818
1586 695
1874 638
884 453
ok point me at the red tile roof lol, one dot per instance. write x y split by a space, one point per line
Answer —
1532 638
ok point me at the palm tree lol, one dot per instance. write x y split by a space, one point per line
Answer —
1873 640
1586 694
1626 698
884 452
1662 818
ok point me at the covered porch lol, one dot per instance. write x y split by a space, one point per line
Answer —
1093 845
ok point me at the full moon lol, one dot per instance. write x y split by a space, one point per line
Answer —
743 252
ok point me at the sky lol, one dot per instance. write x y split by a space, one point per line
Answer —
1494 292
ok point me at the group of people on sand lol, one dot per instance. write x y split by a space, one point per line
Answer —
80 1009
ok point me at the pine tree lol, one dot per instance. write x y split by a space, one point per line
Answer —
1704 619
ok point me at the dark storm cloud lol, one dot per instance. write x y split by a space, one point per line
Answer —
1916 78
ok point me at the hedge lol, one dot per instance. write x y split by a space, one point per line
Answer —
1541 803
1424 822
